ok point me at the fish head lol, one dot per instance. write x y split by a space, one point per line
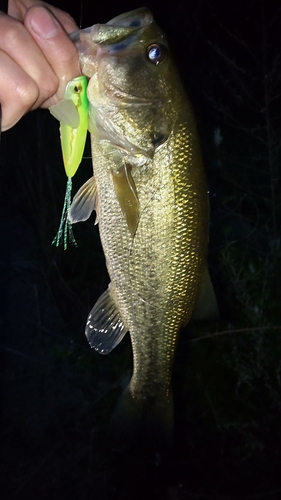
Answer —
131 91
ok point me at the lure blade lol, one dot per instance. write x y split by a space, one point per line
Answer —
66 112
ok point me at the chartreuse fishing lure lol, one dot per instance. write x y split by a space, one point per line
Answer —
72 112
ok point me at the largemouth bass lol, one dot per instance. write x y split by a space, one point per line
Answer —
149 192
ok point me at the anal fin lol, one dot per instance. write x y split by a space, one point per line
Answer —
104 327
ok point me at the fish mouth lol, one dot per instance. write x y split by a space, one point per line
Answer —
116 34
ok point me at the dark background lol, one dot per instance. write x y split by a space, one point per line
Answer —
56 394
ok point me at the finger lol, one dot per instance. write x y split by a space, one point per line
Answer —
18 10
56 46
18 91
20 46
64 18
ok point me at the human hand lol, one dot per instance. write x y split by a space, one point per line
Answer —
37 58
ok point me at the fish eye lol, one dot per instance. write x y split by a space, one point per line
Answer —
156 53
77 89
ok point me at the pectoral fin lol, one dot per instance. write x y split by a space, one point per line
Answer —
104 327
206 307
126 193
84 202
66 112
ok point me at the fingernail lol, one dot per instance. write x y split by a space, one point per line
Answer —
43 23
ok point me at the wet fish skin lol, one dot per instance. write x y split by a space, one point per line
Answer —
142 121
